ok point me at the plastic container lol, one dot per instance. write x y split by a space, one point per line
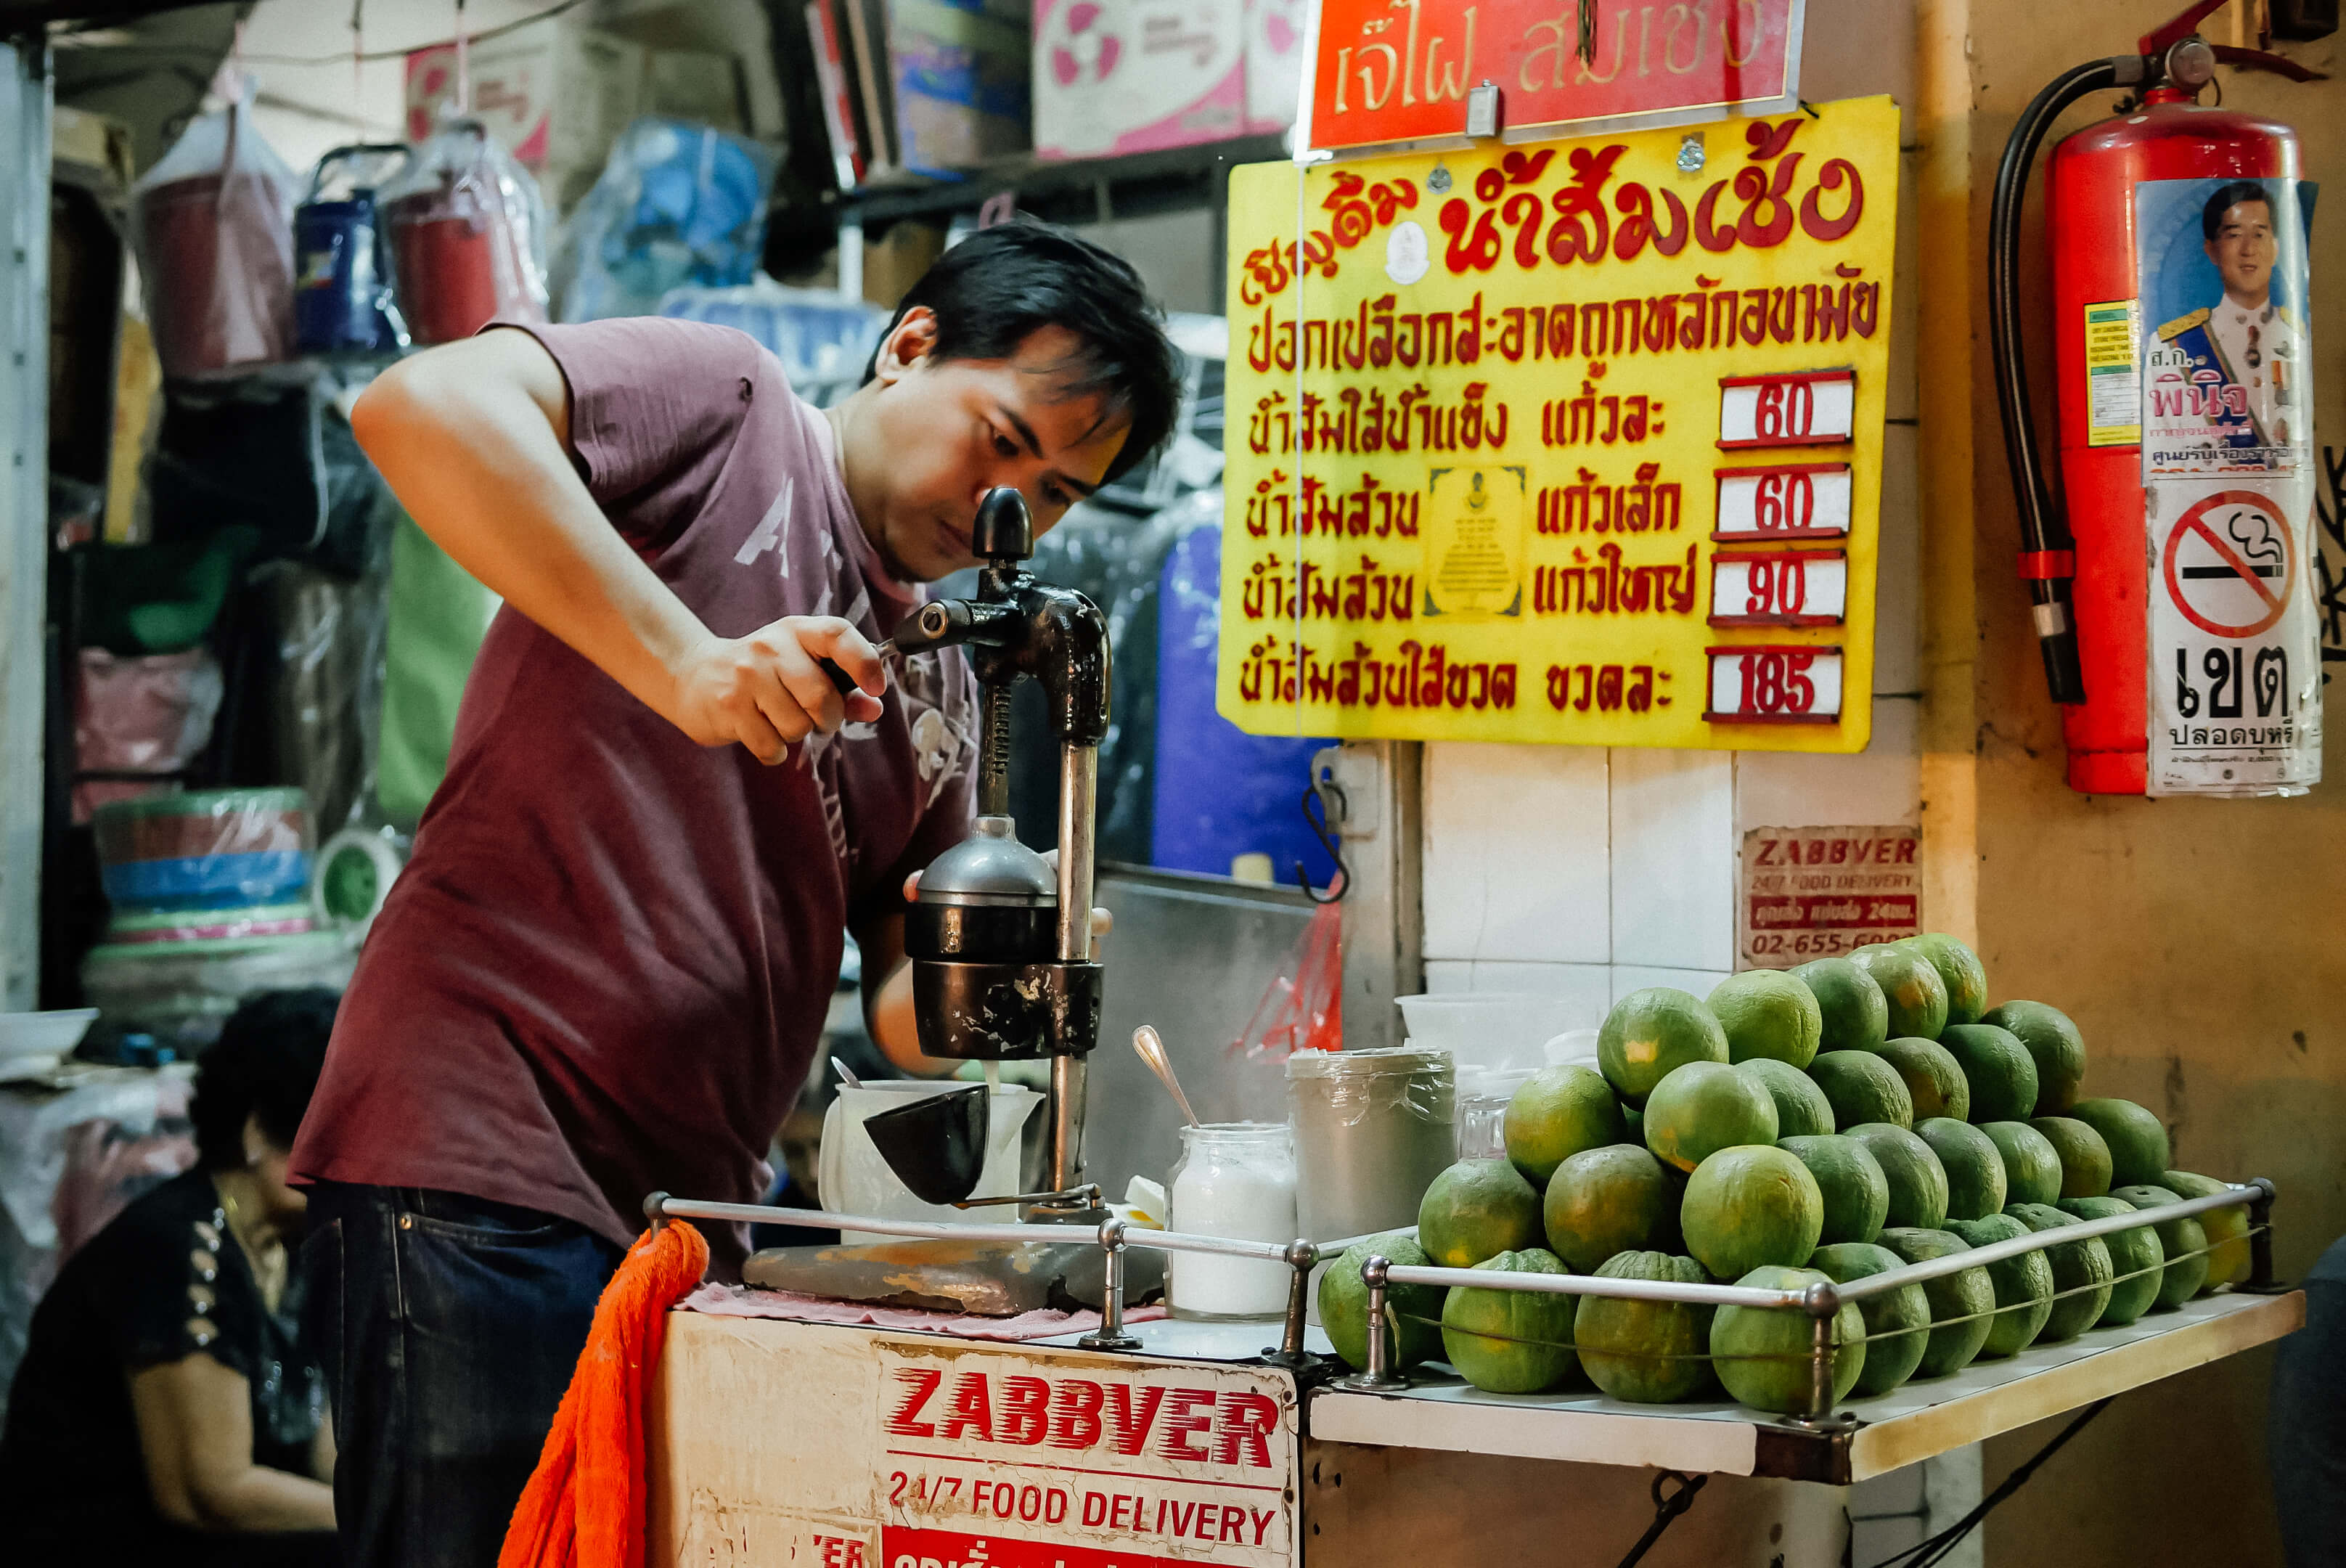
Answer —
42 1038
1234 1180
1483 1096
1574 1047
211 925
855 1179
467 237
1487 1028
342 266
1372 1129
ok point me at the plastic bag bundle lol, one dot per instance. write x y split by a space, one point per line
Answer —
149 715
678 204
1303 1008
467 235
181 992
213 226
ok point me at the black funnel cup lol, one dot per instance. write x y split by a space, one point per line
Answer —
936 1145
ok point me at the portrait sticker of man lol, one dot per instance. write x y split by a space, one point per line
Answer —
2233 367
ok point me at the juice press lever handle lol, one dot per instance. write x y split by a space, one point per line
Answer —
845 682
940 622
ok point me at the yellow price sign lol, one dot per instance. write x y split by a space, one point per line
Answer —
1577 443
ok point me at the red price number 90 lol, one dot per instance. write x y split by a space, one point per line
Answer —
1776 588
1777 682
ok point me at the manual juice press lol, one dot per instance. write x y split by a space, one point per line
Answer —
1000 942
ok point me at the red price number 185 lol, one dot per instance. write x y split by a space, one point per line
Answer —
1778 683
1775 685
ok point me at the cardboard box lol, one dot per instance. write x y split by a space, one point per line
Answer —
959 73
701 85
555 94
99 143
1134 76
1277 34
897 259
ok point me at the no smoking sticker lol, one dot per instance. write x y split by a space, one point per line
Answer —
2230 561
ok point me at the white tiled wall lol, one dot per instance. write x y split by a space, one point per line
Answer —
1516 868
1673 854
1587 873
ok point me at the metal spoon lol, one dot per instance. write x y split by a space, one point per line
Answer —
1151 1050
846 1073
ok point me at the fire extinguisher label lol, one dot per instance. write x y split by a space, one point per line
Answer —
2226 417
2235 643
2222 276
2113 373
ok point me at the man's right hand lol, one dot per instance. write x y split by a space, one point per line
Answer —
766 691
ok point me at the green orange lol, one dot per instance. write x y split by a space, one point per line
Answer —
1558 1113
1649 1033
1767 1014
1704 1107
1911 985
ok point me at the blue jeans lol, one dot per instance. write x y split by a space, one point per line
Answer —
448 1328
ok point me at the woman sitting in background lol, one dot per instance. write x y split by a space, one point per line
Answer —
168 1410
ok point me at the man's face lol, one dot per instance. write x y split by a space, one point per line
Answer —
2243 250
936 435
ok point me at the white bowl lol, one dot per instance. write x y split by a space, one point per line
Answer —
1487 1028
43 1034
1574 1047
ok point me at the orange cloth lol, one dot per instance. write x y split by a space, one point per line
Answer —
583 1506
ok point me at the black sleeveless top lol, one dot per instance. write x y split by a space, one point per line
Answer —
162 1282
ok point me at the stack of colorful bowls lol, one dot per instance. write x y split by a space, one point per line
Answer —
211 891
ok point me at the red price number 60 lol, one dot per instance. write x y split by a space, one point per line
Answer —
1782 501
1787 410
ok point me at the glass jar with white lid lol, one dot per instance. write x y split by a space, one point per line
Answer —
1235 1180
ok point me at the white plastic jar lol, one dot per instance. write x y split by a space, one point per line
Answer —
1234 1180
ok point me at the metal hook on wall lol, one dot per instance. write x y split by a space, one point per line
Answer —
1342 882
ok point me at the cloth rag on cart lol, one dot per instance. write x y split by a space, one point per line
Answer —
584 1504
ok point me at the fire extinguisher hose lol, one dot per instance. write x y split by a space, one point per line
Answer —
2047 547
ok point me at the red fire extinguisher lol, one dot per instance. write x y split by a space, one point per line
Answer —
2090 566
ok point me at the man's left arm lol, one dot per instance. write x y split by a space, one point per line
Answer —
888 997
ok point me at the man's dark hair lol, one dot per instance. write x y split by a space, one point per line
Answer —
264 1066
2228 197
994 288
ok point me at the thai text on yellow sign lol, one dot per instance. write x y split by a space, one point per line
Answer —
1577 443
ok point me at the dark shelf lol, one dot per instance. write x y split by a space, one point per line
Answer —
1070 191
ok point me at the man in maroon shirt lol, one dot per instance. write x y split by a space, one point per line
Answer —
606 968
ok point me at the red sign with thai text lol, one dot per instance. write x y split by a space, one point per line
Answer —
1400 70
1818 892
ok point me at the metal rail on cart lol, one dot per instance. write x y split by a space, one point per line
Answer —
1112 1236
1816 1444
